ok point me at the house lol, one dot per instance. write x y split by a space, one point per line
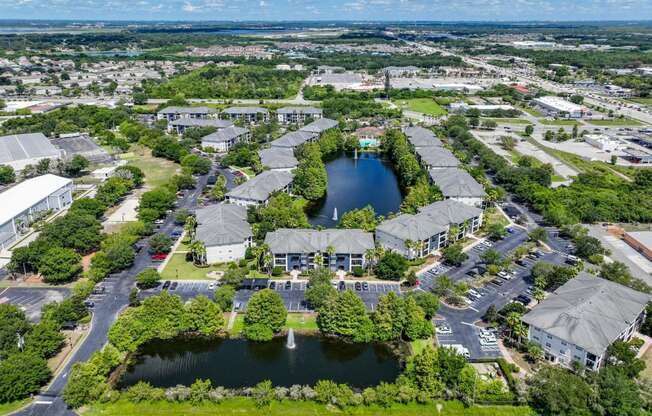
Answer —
26 202
421 137
369 136
180 125
174 113
434 157
319 126
225 232
423 233
20 150
458 185
582 318
559 107
223 140
294 139
247 114
340 249
288 115
257 191
278 158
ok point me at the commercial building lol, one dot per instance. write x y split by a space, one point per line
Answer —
225 232
559 107
20 150
174 113
458 185
289 115
28 201
637 156
602 142
247 114
257 191
180 125
401 71
278 158
223 140
297 249
423 233
581 319
465 88
81 144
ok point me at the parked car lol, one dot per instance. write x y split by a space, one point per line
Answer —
272 285
444 329
342 286
358 286
174 285
99 290
166 284
521 262
159 221
176 233
89 304
497 282
504 275
288 285
211 285
158 257
525 300
365 286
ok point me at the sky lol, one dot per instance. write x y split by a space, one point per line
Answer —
367 10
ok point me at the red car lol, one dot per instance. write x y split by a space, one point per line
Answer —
159 256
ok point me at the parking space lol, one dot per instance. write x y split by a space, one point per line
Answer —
31 300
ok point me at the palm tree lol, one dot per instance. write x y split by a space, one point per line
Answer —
190 226
267 261
409 244
198 250
330 250
318 261
370 258
259 251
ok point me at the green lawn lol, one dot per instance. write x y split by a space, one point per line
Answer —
531 111
420 344
509 120
180 269
302 321
422 105
238 325
558 122
6 408
615 122
157 171
244 406
644 101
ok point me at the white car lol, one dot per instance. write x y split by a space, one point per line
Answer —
486 342
444 329
211 285
487 243
504 275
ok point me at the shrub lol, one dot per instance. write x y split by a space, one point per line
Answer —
144 392
200 390
277 271
358 271
263 393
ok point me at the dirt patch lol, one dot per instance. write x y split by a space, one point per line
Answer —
72 339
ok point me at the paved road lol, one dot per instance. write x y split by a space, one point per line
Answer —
105 312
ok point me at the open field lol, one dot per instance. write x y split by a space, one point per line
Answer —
302 321
157 171
243 406
422 105
559 122
509 120
615 122
180 269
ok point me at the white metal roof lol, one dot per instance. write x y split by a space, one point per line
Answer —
27 194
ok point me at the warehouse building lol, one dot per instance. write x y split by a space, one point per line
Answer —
28 201
20 150
559 107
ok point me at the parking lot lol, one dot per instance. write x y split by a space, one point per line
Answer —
31 300
293 296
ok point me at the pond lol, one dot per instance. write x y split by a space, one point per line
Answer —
238 363
356 183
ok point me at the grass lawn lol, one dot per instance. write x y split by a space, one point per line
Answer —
509 120
238 325
647 358
186 270
615 122
557 178
644 101
244 406
422 105
531 111
302 321
157 171
6 408
558 122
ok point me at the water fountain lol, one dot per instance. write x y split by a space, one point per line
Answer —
335 214
290 342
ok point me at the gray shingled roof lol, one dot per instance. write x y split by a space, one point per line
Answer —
201 122
421 137
299 110
588 311
187 110
260 187
302 240
454 182
224 135
430 220
294 139
17 147
246 110
450 211
320 125
278 158
222 224
437 157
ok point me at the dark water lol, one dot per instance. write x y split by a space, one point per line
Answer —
238 363
352 184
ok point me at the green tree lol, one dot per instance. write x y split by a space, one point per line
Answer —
148 278
618 393
160 243
196 164
76 230
454 255
392 266
496 231
14 323
7 175
203 316
362 218
556 391
265 315
44 339
538 235
346 315
310 178
491 256
529 129
389 317
75 166
417 326
60 265
22 374
427 301
224 296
